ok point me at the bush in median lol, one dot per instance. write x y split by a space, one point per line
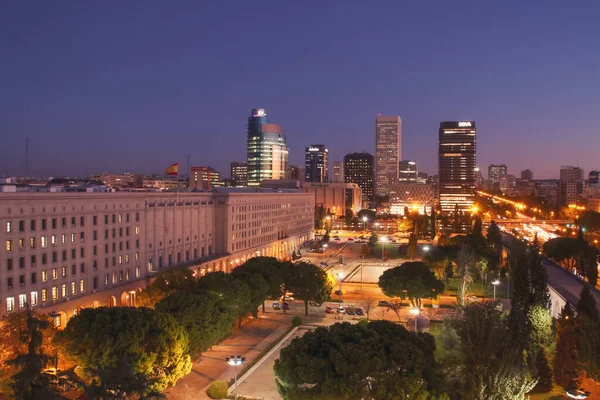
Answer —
297 321
217 390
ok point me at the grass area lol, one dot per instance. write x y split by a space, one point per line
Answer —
478 289
435 329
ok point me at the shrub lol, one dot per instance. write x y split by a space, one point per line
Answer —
297 321
363 322
217 390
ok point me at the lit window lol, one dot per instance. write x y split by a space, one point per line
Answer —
8 226
34 299
72 238
126 258
63 238
105 279
137 256
137 230
54 293
120 259
127 274
44 295
9 245
137 272
44 276
120 218
21 244
114 277
53 240
73 288
64 290
22 300
54 273
32 242
10 304
82 285
44 242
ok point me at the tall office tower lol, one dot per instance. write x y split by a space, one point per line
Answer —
388 150
239 174
571 185
593 179
408 171
478 178
359 168
495 171
456 165
267 149
338 172
527 175
315 162
204 178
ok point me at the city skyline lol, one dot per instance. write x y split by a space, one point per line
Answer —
125 97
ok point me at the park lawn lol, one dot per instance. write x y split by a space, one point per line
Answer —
477 289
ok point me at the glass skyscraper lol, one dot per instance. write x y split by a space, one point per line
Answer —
457 165
267 149
315 163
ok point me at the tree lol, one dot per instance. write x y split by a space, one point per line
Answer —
493 367
411 251
530 280
565 359
365 212
373 239
590 220
235 292
379 361
587 304
348 216
205 317
494 238
588 327
29 383
367 304
169 281
271 271
309 283
396 307
574 254
443 240
412 280
476 237
465 261
129 350
449 271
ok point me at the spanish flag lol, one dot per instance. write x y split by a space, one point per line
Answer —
173 169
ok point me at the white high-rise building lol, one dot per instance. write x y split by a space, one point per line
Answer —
388 150
338 172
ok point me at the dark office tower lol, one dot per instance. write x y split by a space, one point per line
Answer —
527 175
315 163
456 165
239 174
267 149
359 168
495 172
593 179
408 171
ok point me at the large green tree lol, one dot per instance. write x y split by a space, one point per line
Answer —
309 283
28 382
575 255
412 280
169 281
493 366
588 333
205 317
378 361
235 292
411 250
125 342
565 358
494 238
269 268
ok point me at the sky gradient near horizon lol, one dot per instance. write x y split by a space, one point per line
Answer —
134 86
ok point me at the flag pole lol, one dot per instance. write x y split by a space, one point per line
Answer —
177 184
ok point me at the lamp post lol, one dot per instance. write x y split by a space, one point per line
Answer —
382 240
340 277
415 312
324 251
235 362
365 223
495 283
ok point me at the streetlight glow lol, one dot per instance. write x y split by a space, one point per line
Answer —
425 248
495 283
235 362
415 312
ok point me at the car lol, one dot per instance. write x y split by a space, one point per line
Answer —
341 310
359 311
384 303
580 393
350 240
339 292
314 304
276 305
324 264
473 299
349 311
336 239
286 306
329 310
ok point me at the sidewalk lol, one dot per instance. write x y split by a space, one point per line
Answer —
249 341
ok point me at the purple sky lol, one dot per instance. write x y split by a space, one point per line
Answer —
133 86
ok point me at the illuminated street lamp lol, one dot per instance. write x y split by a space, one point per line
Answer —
495 283
324 250
383 241
365 223
415 312
235 362
425 249
340 276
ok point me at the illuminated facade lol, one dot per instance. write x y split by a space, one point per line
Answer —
335 197
495 172
338 172
66 251
457 165
359 168
571 185
315 163
415 197
204 178
408 171
388 150
267 149
239 174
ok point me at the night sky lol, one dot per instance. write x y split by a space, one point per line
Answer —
136 85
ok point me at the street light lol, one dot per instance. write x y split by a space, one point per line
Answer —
365 223
235 362
324 251
495 283
415 312
340 276
383 240
426 248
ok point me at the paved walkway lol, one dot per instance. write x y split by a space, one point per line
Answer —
249 341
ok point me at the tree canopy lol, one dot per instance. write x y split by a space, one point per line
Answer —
269 268
235 292
126 342
412 280
309 283
379 360
574 254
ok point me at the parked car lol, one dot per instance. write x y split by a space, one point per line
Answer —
339 292
384 303
341 310
349 311
329 310
359 311
286 306
314 304
287 297
324 264
350 240
276 305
